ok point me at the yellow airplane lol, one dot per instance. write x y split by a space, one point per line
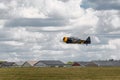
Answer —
72 40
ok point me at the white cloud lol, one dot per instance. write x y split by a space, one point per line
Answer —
36 22
13 43
23 34
107 21
101 4
41 9
2 6
115 21
33 30
115 42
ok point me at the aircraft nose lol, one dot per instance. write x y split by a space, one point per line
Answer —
65 39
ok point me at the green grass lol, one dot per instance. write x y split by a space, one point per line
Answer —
92 73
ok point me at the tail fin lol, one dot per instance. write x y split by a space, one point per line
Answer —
88 40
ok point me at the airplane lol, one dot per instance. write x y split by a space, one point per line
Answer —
73 40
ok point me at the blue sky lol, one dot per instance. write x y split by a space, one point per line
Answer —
33 29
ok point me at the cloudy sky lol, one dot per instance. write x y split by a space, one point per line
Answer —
33 29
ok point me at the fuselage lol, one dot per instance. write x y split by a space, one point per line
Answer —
71 40
74 40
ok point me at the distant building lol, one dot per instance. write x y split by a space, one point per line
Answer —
49 63
91 64
112 63
7 64
29 63
76 64
84 64
107 63
19 64
1 63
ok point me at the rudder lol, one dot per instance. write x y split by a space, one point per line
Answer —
88 40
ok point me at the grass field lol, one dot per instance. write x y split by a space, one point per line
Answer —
93 73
